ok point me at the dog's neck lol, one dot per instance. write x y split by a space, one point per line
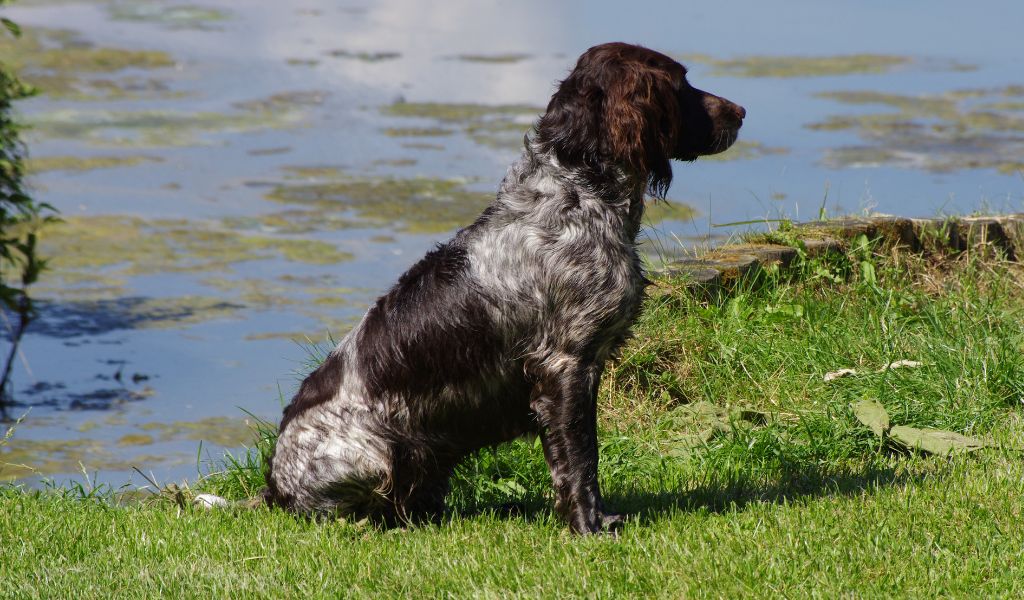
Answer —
619 189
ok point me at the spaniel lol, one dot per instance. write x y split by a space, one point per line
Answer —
505 329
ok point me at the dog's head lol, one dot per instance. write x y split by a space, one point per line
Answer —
630 106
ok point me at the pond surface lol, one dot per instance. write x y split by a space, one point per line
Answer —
241 179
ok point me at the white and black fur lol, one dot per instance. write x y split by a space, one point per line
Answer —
505 329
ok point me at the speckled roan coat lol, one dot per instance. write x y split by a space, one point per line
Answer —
505 329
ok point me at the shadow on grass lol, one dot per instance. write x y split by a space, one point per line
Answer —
649 506
646 506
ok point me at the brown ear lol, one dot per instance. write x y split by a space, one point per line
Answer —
641 117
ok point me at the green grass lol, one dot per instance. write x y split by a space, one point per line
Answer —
771 489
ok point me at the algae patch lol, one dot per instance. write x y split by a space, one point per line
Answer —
364 56
946 132
223 431
814 66
286 290
161 128
744 150
665 210
26 458
497 126
395 162
182 16
95 257
129 246
62 63
414 205
417 131
41 164
458 113
135 439
492 58
422 146
302 62
87 291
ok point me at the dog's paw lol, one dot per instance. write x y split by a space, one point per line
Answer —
599 524
612 523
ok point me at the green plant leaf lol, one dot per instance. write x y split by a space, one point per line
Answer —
860 245
785 311
872 413
694 425
11 26
935 441
867 272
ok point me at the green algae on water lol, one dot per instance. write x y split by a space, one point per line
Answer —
87 291
417 131
422 146
294 221
21 458
223 431
413 205
62 63
328 328
115 247
800 66
285 291
364 56
167 128
492 58
163 128
41 164
744 150
182 16
959 129
64 51
458 113
135 439
395 162
499 126
657 211
283 101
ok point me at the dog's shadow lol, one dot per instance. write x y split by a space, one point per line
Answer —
645 506
650 506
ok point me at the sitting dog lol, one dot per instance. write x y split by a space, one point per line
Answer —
505 329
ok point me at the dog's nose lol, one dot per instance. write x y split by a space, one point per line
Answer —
741 112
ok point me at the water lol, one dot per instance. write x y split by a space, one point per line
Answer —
239 176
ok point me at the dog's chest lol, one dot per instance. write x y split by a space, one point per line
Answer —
568 267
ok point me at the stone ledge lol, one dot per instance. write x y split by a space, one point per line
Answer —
719 269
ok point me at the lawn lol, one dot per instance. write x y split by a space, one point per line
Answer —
745 472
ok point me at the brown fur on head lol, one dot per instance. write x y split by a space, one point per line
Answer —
632 107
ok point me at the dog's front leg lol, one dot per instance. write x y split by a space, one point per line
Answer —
565 402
